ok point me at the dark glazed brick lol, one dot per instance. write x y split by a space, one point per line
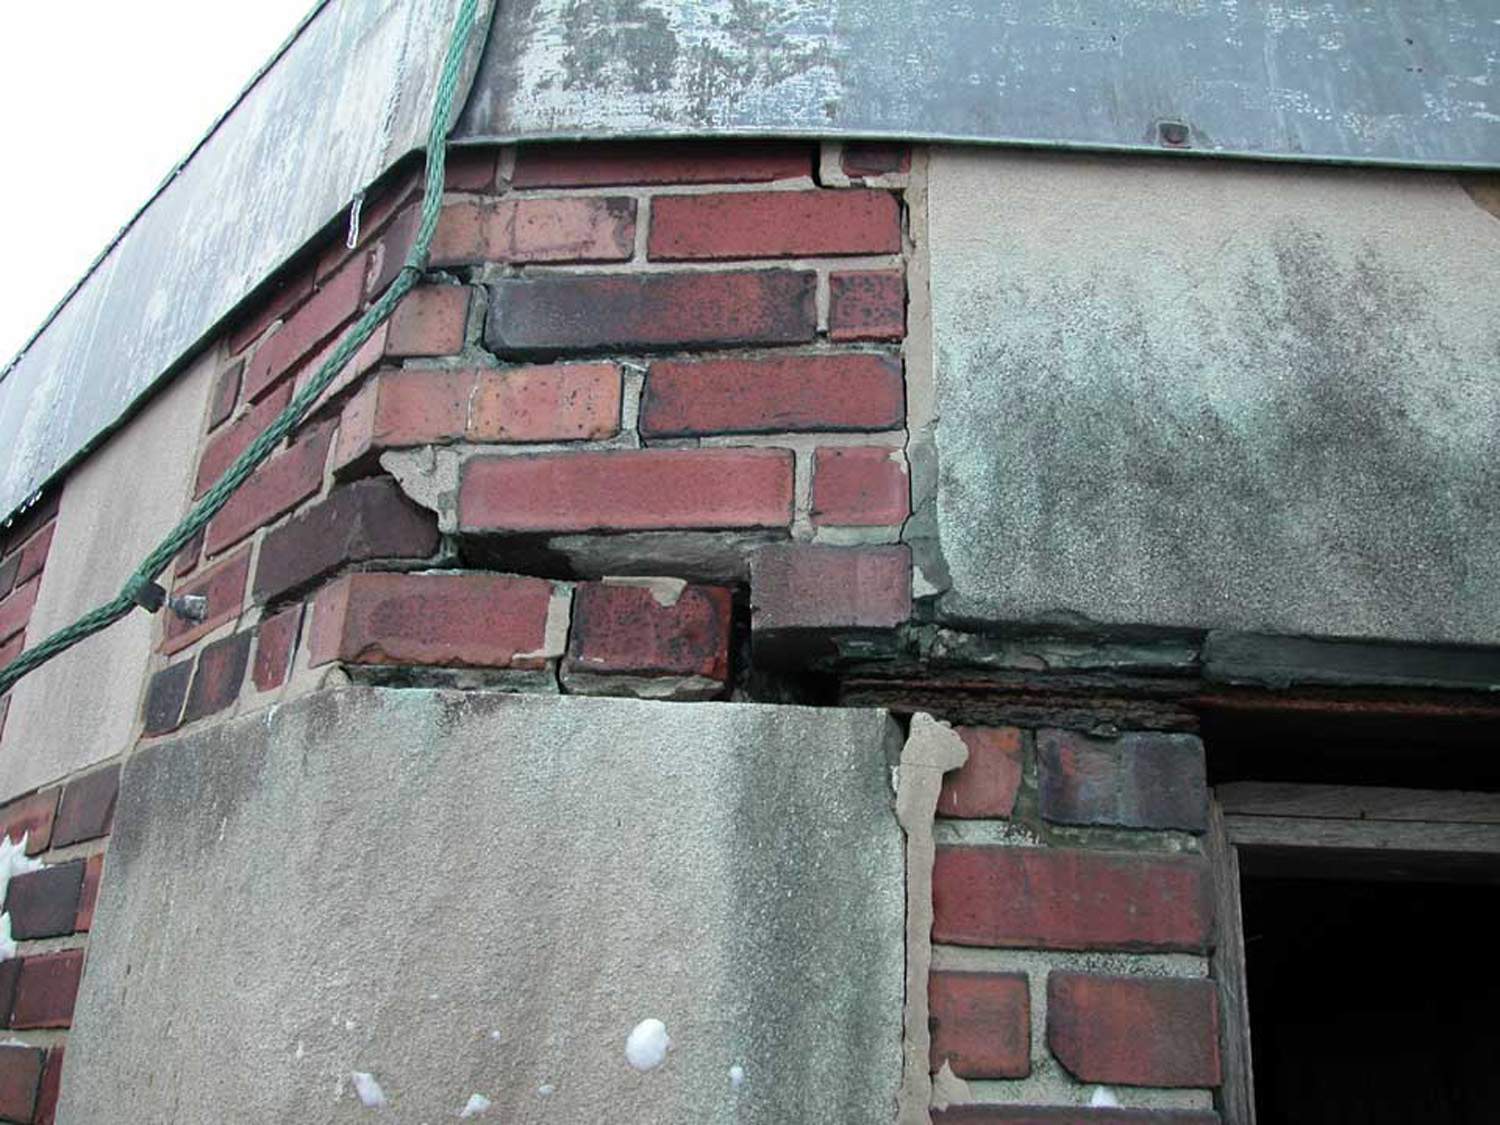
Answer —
226 393
20 1076
800 586
981 1023
547 315
165 697
47 989
44 903
1053 898
276 638
32 817
369 519
221 671
1139 780
875 158
1134 1031
10 974
88 807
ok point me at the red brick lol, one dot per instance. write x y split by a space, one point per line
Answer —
555 402
280 298
518 230
277 486
8 570
875 158
220 674
773 395
20 1078
9 650
471 169
369 356
662 162
1134 1031
47 989
88 897
224 448
859 486
188 558
325 311
15 608
31 817
165 694
625 628
34 554
87 808
1142 779
51 1088
629 490
981 1023
429 321
384 209
474 620
868 305
226 393
1041 898
224 587
546 315
773 224
355 523
26 523
44 903
1067 1115
10 976
986 785
800 586
275 641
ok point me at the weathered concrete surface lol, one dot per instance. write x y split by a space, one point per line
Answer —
1208 395
83 707
380 881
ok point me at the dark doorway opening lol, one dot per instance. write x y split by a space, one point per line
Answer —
1373 1002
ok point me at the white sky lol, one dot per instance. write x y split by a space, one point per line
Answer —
99 99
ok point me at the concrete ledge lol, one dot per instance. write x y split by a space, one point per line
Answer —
466 893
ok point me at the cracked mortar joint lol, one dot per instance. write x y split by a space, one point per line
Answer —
932 749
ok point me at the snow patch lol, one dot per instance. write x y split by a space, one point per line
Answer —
546 1089
647 1046
736 1076
476 1106
371 1096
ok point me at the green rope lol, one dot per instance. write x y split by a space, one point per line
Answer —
138 585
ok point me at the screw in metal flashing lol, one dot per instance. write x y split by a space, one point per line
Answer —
1173 133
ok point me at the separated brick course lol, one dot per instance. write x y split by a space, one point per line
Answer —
673 162
986 785
628 491
664 632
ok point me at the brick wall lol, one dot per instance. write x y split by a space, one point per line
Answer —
1073 915
645 392
24 544
66 828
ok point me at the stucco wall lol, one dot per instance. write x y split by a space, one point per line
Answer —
1192 394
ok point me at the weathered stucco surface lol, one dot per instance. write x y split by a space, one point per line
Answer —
1208 395
473 892
83 707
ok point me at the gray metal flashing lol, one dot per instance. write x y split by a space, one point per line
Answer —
1407 83
354 84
